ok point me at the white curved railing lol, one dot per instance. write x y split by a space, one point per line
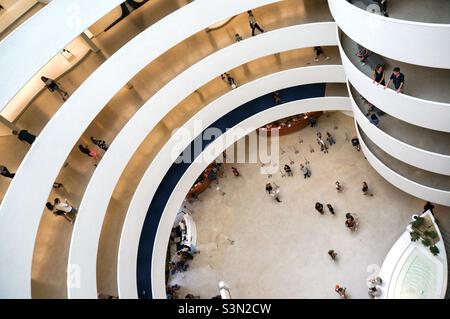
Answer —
413 42
25 51
424 113
411 187
19 219
159 166
213 150
85 237
398 256
430 161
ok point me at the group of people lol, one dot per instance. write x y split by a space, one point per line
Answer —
323 146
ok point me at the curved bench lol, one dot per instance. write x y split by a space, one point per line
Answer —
19 219
224 104
85 237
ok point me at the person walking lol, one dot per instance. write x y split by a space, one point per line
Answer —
305 171
100 143
355 143
350 222
331 209
63 209
398 79
25 136
332 254
319 207
4 171
365 189
288 170
235 171
229 79
339 187
53 86
88 152
253 24
273 192
378 75
341 291
330 139
312 121
319 51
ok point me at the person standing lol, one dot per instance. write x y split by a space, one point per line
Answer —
277 98
383 7
339 187
378 75
332 254
365 189
86 150
398 79
4 171
331 209
341 291
305 171
238 38
319 207
330 139
253 24
288 170
355 143
312 121
53 86
100 143
25 136
235 171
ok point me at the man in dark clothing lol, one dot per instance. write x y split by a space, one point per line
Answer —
253 24
398 79
25 136
5 172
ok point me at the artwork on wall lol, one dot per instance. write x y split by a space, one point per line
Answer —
126 11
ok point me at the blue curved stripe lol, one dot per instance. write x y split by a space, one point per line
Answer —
176 171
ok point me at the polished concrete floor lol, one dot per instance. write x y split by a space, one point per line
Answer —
425 139
422 82
264 249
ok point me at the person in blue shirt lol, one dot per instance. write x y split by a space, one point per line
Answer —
398 79
374 120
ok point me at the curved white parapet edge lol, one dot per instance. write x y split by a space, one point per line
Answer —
29 48
430 161
408 41
424 113
19 219
212 152
399 253
86 233
411 187
139 204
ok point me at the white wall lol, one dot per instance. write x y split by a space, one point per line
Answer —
85 237
421 191
159 166
418 43
25 51
412 155
424 113
19 219
194 170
